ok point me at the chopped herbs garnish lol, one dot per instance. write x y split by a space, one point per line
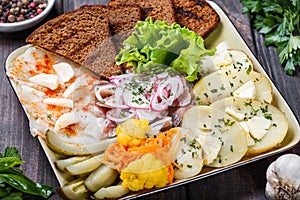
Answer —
249 103
222 87
122 114
268 116
218 126
214 91
253 112
219 159
249 69
183 151
221 140
192 143
228 122
239 63
256 140
264 109
183 139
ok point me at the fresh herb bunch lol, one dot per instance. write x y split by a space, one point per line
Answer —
279 21
13 183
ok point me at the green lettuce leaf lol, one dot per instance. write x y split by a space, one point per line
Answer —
156 47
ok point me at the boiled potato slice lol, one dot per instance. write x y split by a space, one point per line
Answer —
213 122
188 159
224 83
270 134
225 58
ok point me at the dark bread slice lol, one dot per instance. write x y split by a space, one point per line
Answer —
121 17
197 15
72 34
122 20
157 9
84 36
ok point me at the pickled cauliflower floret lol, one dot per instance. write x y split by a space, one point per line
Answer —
145 173
132 132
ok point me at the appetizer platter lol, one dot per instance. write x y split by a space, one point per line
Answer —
150 129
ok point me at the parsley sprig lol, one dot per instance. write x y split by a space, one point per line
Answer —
13 182
279 21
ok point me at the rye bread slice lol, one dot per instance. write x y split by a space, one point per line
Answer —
157 9
197 15
121 17
122 20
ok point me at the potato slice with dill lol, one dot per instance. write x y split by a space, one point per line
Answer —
223 83
266 124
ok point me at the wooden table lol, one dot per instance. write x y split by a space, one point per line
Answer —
247 182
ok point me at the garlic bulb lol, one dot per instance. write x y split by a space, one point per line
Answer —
283 178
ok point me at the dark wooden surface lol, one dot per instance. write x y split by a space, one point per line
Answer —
245 182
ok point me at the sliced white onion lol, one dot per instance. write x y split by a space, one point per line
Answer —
108 101
158 92
119 116
157 106
130 100
185 98
147 114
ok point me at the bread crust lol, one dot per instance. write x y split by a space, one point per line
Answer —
196 15
157 9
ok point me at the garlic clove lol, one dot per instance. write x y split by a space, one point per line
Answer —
283 178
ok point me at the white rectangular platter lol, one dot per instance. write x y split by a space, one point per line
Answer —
225 32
